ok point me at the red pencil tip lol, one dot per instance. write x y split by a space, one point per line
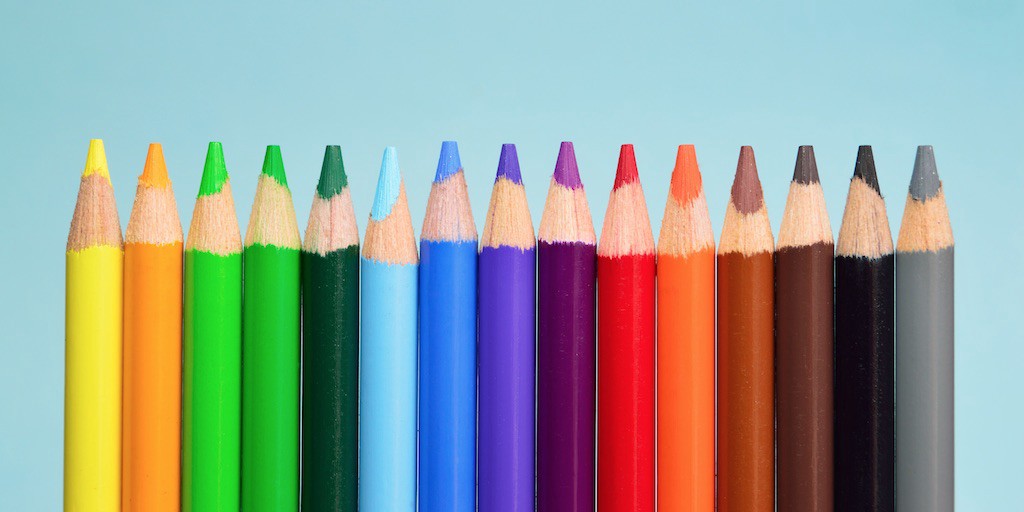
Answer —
626 172
686 180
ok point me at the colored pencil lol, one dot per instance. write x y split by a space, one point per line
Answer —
92 359
804 347
151 428
566 409
270 346
686 343
447 407
212 383
625 359
387 382
924 345
330 346
865 356
746 344
507 268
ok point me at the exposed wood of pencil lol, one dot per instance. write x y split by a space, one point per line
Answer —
686 344
152 344
924 345
864 381
625 365
93 342
746 358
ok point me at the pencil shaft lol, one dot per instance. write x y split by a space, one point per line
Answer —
506 305
746 380
92 379
804 352
686 381
625 422
387 390
270 379
330 379
151 432
566 376
924 380
447 395
212 381
865 378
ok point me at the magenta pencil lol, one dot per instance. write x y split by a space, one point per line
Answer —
566 271
506 345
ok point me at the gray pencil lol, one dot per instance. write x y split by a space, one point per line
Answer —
924 345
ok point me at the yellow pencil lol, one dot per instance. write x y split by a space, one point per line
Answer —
92 381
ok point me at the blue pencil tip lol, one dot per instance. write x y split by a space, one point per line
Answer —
388 185
448 163
508 164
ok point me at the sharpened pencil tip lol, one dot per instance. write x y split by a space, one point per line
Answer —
685 183
746 187
332 174
96 160
865 168
508 164
215 172
273 165
567 173
925 183
389 183
806 171
448 163
154 173
626 171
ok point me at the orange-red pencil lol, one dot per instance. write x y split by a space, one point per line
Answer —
686 344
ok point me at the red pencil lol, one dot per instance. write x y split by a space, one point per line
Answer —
625 360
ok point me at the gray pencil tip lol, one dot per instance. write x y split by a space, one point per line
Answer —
925 183
806 171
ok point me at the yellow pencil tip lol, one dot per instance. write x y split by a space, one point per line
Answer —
96 160
154 173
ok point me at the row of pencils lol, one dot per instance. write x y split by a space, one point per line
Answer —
507 372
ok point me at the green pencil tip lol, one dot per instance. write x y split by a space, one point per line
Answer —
273 166
332 175
215 172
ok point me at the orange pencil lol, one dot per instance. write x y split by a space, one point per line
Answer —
151 426
686 344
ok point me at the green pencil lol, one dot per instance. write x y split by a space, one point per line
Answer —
330 348
212 345
270 346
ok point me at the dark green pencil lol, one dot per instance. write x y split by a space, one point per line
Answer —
330 348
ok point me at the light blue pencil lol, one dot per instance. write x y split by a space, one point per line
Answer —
387 379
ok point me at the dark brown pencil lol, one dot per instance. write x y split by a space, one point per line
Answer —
804 345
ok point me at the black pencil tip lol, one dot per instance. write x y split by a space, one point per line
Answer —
806 171
865 167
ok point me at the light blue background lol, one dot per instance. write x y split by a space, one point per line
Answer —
370 74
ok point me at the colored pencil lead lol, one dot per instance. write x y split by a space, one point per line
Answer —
567 173
865 168
215 171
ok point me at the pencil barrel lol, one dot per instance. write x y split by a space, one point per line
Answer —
625 470
212 381
92 379
387 390
566 370
270 379
746 383
686 381
151 431
507 359
447 394
924 380
865 379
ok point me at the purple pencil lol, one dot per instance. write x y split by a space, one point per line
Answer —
506 346
566 255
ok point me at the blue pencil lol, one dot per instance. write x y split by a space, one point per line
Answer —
447 407
387 381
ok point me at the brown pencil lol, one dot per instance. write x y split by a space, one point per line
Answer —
746 358
803 344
